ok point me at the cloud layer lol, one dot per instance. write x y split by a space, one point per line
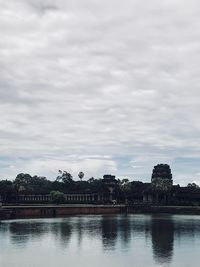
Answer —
100 86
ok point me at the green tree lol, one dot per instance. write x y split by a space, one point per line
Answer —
6 190
64 177
32 185
22 182
64 182
57 197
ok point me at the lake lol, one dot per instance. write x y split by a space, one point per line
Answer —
94 241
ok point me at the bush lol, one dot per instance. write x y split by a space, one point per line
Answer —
57 197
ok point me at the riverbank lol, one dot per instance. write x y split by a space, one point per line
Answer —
191 210
42 211
45 211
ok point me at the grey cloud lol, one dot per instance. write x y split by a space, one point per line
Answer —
99 78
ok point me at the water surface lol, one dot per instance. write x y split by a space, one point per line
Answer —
94 241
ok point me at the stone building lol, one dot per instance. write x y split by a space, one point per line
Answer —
111 183
70 198
161 189
109 196
163 192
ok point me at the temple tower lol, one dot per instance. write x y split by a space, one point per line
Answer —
161 178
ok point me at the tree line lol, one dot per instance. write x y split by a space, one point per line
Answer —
64 183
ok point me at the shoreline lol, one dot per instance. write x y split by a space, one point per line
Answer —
9 212
46 211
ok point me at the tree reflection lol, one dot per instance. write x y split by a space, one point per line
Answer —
23 232
162 233
109 232
62 231
80 230
125 230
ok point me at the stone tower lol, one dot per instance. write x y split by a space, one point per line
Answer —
161 178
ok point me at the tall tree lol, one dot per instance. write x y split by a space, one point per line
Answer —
81 175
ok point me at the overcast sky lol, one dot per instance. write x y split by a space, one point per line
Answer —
100 86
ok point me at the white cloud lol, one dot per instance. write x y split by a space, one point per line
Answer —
93 167
99 78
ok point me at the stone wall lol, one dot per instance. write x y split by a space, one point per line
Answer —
53 211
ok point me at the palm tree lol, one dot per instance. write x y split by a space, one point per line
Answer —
81 175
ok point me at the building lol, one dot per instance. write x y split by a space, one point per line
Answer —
111 183
160 191
163 192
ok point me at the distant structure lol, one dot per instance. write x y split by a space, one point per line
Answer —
108 196
161 177
110 181
109 190
160 191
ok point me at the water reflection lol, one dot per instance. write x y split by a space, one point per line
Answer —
62 231
130 234
109 232
80 229
125 231
23 232
162 232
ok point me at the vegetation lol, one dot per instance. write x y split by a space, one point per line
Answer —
6 190
193 186
57 197
81 175
64 183
124 190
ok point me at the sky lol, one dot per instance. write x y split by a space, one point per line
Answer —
100 86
